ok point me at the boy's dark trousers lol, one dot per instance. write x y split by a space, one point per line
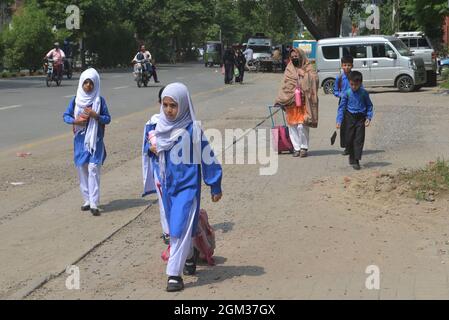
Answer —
355 134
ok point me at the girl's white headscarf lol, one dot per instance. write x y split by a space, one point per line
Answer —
169 131
84 100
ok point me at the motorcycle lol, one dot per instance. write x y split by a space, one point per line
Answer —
52 73
142 75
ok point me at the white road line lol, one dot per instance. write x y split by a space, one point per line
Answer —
10 107
118 88
70 96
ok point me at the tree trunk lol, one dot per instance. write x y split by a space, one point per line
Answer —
327 22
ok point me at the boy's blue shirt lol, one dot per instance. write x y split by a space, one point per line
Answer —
338 92
355 102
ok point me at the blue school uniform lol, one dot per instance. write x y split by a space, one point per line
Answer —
341 86
81 155
151 168
182 185
355 102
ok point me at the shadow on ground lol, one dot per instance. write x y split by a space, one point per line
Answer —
221 273
123 204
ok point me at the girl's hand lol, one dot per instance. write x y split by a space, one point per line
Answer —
338 126
153 149
217 197
80 122
301 73
367 122
91 113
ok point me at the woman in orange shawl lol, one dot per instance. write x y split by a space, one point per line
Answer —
300 73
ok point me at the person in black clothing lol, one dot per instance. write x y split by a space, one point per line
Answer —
240 62
229 62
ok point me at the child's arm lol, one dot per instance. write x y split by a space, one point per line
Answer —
104 117
336 87
369 107
69 113
211 169
341 109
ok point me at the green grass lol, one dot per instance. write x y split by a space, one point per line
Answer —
433 178
445 84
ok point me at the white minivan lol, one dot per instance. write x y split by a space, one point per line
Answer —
384 61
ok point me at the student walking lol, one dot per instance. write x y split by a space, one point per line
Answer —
180 144
150 168
357 111
341 86
88 113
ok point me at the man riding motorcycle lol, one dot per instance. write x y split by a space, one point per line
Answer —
145 55
58 57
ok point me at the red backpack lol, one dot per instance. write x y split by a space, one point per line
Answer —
204 240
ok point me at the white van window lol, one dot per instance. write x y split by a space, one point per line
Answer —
331 52
381 50
402 48
413 43
423 43
356 51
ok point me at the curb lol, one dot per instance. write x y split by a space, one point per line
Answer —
23 293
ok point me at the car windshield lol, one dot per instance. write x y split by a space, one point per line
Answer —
261 49
402 48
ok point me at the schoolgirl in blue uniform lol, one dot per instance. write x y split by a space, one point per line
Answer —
88 113
184 157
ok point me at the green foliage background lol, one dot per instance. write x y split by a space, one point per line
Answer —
111 30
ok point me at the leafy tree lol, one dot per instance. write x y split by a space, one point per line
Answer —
29 39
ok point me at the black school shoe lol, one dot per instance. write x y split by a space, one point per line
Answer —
175 284
356 165
85 208
95 212
345 153
190 265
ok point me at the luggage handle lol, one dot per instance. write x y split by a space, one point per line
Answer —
270 108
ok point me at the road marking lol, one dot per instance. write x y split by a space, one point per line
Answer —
10 107
70 96
118 88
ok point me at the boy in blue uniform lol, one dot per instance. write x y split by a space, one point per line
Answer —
341 86
356 112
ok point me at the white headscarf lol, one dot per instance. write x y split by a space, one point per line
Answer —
169 131
84 100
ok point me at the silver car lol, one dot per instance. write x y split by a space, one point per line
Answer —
384 61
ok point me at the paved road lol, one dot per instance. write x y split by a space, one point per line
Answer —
30 111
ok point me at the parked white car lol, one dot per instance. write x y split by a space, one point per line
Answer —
384 61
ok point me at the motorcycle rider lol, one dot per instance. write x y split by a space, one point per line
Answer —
145 55
58 57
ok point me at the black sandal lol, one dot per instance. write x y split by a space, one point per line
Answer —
190 265
175 284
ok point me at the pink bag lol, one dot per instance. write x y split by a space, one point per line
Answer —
204 240
280 135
